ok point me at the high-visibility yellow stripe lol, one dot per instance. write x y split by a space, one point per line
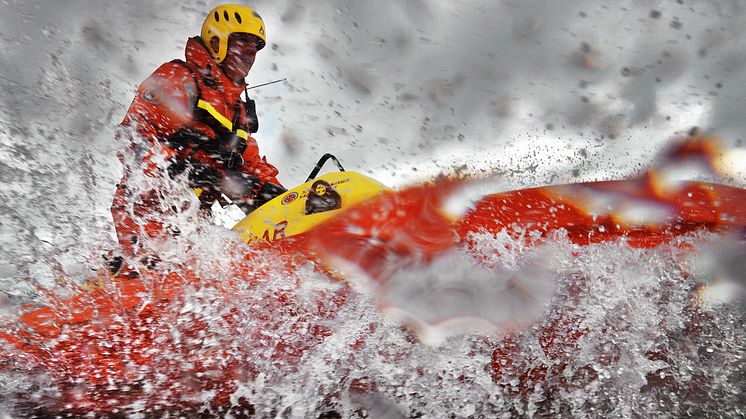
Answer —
215 114
222 119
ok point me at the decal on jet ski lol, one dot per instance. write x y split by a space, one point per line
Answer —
341 181
292 196
322 197
276 232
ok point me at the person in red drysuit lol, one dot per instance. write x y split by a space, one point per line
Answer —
190 114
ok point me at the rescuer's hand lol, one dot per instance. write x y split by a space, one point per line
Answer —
230 150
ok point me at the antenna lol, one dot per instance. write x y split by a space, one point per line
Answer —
264 84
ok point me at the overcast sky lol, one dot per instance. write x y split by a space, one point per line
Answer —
541 91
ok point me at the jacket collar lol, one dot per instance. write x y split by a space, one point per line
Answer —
197 54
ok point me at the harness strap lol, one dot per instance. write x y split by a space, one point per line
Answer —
206 106
220 118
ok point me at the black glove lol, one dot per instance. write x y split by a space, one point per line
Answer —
199 174
230 150
176 166
237 185
204 176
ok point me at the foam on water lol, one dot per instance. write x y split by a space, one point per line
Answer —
604 330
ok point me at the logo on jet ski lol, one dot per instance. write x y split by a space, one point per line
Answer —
322 197
292 196
320 189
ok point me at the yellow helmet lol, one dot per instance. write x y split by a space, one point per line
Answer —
226 19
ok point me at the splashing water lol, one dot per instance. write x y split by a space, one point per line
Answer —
621 334
512 323
596 330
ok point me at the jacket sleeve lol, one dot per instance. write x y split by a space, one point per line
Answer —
163 105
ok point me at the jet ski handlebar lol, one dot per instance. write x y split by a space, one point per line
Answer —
321 163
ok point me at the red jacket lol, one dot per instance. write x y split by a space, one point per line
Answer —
182 109
184 103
